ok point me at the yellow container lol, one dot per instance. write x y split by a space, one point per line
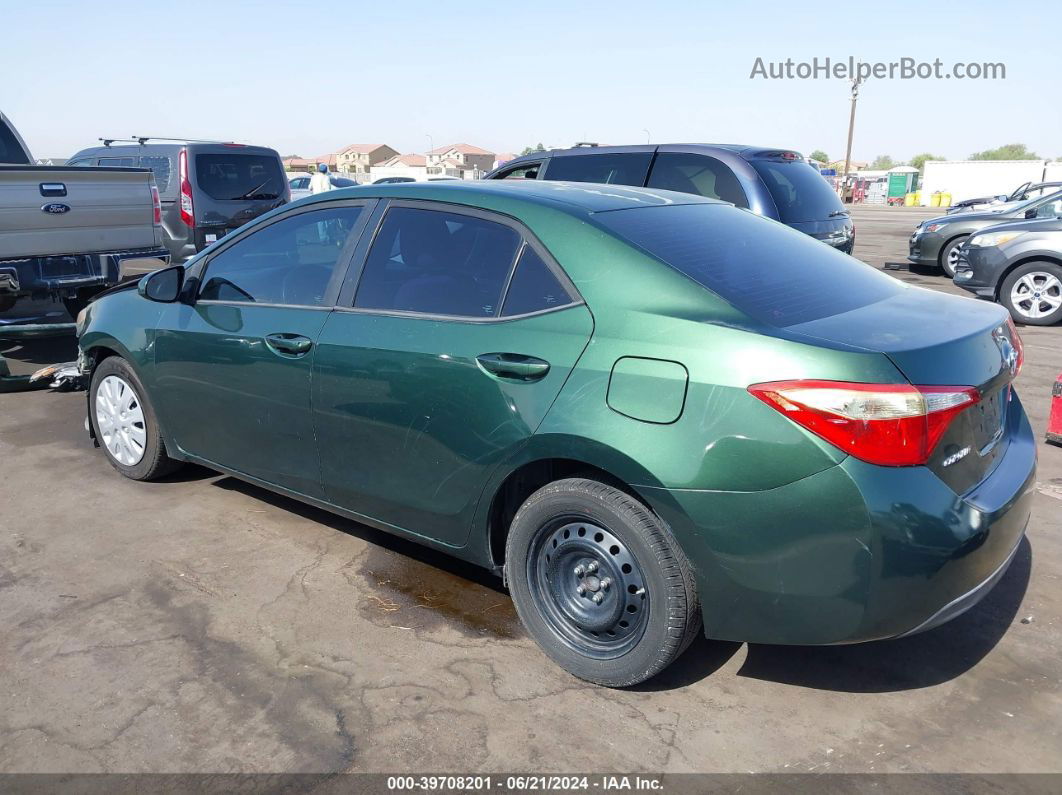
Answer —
934 200
917 198
945 199
908 200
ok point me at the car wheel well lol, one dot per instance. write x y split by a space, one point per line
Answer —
525 481
1014 266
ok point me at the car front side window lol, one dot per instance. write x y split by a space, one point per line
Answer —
438 263
289 261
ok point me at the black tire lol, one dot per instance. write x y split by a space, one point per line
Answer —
1036 274
153 463
543 556
946 259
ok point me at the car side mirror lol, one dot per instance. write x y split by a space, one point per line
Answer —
163 286
1030 213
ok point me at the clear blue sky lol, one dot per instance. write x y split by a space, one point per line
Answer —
309 77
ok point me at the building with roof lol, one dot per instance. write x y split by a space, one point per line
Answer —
411 166
455 160
358 159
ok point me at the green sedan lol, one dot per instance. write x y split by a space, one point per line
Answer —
652 414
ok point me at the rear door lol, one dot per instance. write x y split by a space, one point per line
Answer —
804 200
438 363
231 185
233 368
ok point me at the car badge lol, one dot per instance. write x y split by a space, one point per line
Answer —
55 208
1006 349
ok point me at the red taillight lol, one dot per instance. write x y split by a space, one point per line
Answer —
187 210
887 424
1019 348
156 203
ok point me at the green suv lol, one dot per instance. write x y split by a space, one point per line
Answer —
644 409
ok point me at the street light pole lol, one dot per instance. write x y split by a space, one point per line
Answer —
856 82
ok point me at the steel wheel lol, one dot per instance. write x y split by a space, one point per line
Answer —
1037 294
120 420
589 587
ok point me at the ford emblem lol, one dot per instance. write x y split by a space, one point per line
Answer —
55 208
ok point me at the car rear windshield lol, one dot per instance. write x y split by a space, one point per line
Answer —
231 176
765 269
10 150
799 191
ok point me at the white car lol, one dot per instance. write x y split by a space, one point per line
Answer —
300 185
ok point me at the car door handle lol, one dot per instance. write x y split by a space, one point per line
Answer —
289 344
513 366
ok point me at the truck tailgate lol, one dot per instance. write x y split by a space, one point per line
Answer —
103 209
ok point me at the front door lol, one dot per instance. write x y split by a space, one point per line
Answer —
233 369
445 361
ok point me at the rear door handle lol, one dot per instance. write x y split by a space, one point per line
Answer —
513 366
289 345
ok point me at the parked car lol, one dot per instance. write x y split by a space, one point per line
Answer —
641 408
392 180
936 241
774 183
207 189
1024 192
1018 264
67 233
300 185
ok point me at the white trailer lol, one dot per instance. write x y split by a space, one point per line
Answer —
971 179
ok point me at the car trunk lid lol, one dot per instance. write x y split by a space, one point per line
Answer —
937 340
233 185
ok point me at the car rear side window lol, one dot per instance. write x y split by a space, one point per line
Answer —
437 263
117 162
799 191
525 171
10 149
234 176
285 262
698 174
625 168
765 269
161 167
534 287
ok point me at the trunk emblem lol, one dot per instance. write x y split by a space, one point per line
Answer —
1006 349
951 459
55 208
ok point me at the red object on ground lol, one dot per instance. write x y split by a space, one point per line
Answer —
1054 422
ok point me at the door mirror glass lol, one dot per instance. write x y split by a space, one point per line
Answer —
163 286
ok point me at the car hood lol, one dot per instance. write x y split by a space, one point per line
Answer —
1032 225
962 218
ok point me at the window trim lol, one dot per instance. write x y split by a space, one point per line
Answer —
348 292
339 269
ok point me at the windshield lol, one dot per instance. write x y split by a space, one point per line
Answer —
799 191
233 176
769 271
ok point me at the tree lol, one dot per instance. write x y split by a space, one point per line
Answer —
819 155
1006 152
919 161
883 163
530 149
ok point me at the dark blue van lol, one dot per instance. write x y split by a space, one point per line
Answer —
775 183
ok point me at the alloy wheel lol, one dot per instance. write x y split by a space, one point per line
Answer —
1036 294
120 420
589 587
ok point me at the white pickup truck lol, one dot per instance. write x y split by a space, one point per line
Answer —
67 233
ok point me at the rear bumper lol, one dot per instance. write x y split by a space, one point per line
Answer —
66 274
854 553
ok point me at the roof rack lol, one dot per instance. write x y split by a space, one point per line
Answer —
142 139
585 143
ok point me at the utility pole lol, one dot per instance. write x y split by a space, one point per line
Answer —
856 82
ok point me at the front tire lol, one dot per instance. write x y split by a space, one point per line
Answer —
600 583
949 255
1033 293
124 422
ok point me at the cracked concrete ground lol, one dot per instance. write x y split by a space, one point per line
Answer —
200 624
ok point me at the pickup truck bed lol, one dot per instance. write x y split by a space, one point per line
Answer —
66 232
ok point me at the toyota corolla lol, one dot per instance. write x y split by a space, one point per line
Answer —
652 414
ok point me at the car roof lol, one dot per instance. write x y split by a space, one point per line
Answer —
570 197
169 148
745 150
